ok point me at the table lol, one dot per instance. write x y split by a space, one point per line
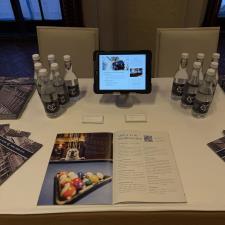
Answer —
201 170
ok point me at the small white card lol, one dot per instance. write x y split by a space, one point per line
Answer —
136 118
92 119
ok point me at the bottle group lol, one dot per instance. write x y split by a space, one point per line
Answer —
195 91
57 91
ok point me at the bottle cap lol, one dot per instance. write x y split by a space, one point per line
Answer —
214 65
37 65
197 65
216 55
200 55
67 58
36 57
184 55
54 66
43 72
210 72
51 57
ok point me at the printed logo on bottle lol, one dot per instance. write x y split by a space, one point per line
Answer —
62 99
201 107
177 89
188 99
51 107
73 91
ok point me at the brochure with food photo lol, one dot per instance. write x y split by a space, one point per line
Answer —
111 168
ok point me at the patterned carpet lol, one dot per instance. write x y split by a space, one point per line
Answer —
15 56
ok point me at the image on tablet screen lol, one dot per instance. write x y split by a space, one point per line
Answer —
122 72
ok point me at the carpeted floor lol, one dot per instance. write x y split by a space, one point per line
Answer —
15 56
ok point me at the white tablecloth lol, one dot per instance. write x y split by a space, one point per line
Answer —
201 170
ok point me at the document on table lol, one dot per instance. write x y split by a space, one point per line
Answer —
145 168
111 168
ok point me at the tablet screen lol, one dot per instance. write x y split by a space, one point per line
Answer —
122 72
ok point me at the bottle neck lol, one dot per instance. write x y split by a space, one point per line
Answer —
44 80
209 78
215 60
183 64
36 61
206 86
55 74
208 81
194 76
214 67
50 62
36 74
68 65
200 60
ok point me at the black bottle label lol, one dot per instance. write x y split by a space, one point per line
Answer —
201 107
73 91
63 99
188 99
51 107
177 89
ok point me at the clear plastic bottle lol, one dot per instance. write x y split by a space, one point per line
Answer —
36 58
180 78
191 87
215 57
37 67
48 95
204 95
60 86
214 65
200 58
51 59
71 79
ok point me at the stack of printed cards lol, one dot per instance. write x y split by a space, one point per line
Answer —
15 149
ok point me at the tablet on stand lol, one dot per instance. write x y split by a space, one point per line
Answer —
122 72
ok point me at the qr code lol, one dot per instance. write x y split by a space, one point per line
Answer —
148 138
